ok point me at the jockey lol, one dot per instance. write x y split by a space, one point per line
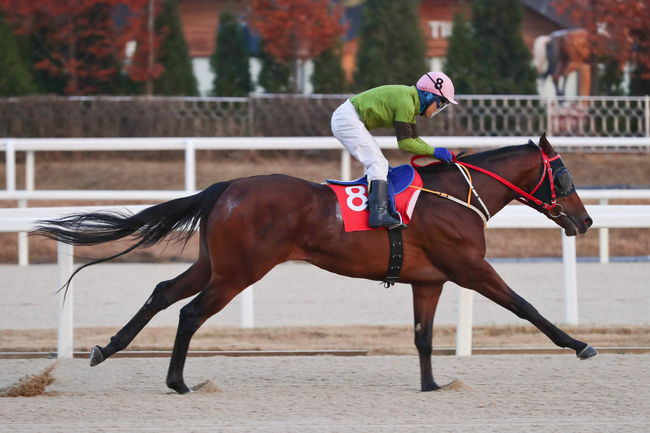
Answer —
386 106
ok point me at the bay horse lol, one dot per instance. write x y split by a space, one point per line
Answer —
249 225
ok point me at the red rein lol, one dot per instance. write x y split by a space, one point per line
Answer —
525 197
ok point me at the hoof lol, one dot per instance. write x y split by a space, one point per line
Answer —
96 356
180 388
429 388
587 352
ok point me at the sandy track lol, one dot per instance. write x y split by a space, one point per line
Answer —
555 393
521 393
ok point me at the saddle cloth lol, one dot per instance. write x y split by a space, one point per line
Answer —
353 197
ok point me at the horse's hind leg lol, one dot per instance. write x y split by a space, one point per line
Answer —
216 295
165 294
425 302
487 282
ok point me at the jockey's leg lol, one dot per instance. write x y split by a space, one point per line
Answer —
348 128
380 216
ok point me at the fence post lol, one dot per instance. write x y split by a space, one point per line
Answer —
251 116
247 308
647 115
603 239
23 240
30 170
464 326
65 333
10 162
549 116
10 158
190 166
570 279
345 165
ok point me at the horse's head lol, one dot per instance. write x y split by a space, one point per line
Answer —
567 210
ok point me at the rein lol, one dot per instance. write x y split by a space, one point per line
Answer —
526 198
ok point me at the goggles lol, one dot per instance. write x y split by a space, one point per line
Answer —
441 104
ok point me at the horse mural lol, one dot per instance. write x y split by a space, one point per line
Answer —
560 53
249 225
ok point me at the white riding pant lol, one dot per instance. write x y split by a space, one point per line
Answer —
348 128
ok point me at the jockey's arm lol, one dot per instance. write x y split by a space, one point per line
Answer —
409 141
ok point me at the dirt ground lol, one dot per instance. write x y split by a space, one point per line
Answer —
375 340
521 393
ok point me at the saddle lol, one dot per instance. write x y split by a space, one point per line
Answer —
353 196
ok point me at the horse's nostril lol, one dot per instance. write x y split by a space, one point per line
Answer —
588 222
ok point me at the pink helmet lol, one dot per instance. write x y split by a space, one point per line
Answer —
438 83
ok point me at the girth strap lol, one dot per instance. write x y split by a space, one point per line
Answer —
396 255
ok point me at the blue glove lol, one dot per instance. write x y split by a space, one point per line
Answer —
443 154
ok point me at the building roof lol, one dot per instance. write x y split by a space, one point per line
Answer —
546 9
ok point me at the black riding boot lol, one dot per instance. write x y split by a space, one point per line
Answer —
378 205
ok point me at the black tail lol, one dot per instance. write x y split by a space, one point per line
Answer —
176 219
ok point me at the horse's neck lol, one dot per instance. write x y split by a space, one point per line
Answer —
522 169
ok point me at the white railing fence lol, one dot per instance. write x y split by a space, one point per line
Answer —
191 145
513 216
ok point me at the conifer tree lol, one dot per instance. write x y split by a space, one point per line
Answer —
328 75
73 46
391 45
107 78
295 31
16 78
461 61
274 76
229 61
502 61
177 77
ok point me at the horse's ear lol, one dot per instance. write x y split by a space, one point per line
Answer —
545 145
543 141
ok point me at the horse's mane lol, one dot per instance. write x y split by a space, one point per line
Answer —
481 158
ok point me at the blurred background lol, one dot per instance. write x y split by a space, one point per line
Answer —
68 66
278 68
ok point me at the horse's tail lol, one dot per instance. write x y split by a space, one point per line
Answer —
175 219
540 57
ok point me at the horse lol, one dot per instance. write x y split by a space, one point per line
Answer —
249 225
560 53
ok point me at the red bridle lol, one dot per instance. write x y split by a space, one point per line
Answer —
525 197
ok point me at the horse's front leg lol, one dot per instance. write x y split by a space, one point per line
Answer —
485 280
425 301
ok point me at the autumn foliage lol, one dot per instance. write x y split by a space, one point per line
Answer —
296 29
79 42
617 29
144 65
